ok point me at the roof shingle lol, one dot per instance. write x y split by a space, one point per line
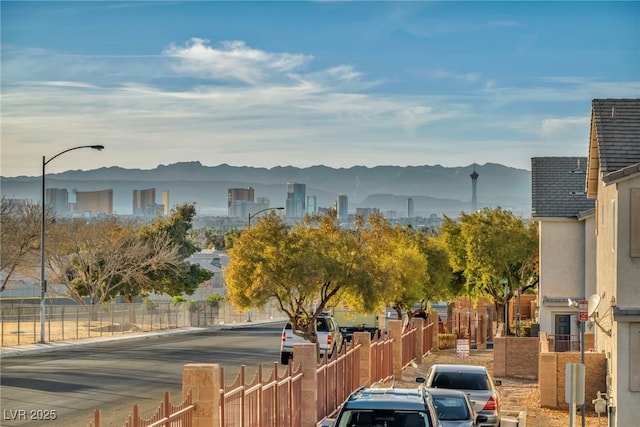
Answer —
617 128
558 187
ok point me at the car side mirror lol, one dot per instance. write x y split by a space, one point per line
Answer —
420 380
327 422
481 419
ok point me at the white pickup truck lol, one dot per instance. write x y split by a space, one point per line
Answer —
330 338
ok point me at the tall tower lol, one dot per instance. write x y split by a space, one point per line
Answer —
343 207
144 202
237 201
474 181
296 195
165 202
58 200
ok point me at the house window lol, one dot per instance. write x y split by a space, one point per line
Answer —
634 356
634 225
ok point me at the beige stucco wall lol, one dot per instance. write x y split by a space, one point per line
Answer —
562 266
618 284
628 270
589 255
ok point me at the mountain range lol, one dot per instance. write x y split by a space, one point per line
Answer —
435 190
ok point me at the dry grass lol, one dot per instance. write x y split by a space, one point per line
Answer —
515 394
14 333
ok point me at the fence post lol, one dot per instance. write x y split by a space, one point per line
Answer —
434 317
395 333
307 355
364 339
203 379
418 323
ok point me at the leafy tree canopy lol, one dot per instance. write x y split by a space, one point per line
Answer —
306 268
495 252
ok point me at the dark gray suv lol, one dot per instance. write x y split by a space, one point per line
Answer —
387 407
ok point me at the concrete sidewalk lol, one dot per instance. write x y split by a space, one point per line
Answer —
28 349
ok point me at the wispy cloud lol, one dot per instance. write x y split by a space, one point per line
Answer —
233 60
564 126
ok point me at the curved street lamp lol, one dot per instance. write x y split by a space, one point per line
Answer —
43 277
263 210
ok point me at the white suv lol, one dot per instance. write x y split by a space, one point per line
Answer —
330 338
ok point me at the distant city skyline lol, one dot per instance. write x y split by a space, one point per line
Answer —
343 84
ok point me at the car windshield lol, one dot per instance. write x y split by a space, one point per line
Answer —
451 408
460 381
383 418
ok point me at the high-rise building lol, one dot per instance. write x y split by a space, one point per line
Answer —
342 205
93 203
144 202
165 203
312 207
410 208
58 200
237 201
474 180
365 213
296 195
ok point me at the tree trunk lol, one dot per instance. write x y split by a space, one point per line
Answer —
129 299
93 312
501 309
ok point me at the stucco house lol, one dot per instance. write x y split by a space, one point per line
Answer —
566 245
589 246
613 181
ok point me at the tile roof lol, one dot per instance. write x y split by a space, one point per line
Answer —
617 127
614 143
558 187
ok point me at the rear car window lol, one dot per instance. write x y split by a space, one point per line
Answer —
380 418
464 381
451 408
322 325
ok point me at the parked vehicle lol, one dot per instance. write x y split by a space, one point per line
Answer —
350 322
474 381
454 409
330 338
386 407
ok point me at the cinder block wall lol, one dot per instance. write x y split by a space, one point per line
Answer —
516 357
548 380
595 372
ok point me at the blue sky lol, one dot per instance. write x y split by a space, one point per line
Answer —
269 84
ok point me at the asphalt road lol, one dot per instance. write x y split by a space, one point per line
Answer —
70 384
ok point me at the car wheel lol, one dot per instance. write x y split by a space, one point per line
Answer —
284 358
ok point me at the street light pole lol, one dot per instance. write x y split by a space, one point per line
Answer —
260 211
43 275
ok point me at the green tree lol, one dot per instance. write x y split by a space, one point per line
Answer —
306 269
439 272
182 277
400 267
230 238
495 251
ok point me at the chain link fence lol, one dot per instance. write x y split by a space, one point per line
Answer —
20 323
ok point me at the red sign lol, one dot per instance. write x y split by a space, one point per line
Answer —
583 310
